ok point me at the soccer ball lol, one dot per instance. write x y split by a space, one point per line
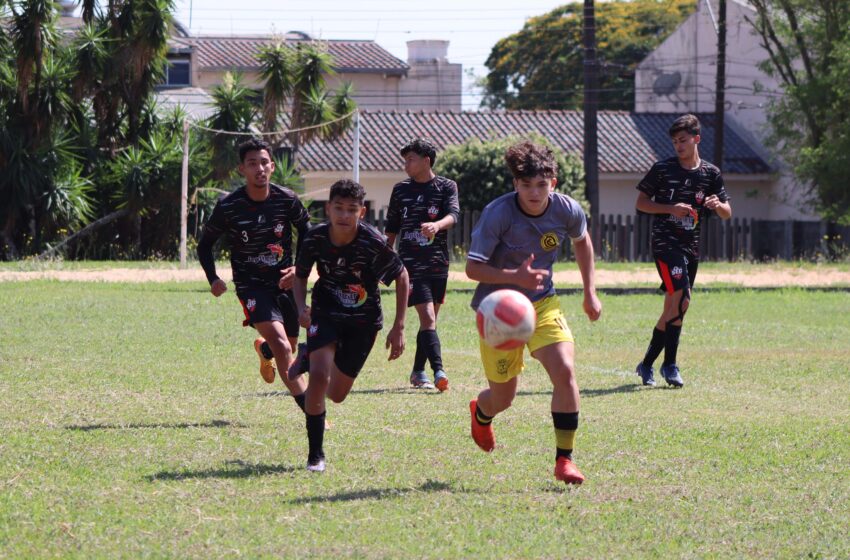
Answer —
506 319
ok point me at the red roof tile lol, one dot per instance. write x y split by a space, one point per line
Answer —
241 53
628 142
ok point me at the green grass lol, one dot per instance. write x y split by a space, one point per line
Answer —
134 423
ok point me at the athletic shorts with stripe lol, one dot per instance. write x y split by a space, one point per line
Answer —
260 306
676 270
501 366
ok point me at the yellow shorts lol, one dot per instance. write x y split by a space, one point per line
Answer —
503 365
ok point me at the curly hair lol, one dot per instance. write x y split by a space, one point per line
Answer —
527 160
422 148
254 144
346 188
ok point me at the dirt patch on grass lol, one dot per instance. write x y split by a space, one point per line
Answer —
755 278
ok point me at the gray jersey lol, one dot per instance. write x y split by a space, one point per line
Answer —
505 236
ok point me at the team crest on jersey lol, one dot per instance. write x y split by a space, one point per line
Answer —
251 304
549 241
261 219
700 196
340 262
420 198
676 272
314 328
278 230
433 211
687 182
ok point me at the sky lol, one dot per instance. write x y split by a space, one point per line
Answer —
471 26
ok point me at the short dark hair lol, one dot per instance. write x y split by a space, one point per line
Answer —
346 188
421 147
688 123
527 159
254 144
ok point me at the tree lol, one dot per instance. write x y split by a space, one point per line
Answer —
480 171
541 66
808 45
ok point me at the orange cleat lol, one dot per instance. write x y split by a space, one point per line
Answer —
441 381
483 435
266 366
567 471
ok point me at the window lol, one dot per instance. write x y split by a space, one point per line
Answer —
177 73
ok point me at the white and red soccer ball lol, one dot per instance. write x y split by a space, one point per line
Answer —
506 319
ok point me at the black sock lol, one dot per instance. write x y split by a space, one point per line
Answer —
482 418
421 356
671 344
266 350
566 424
299 400
432 348
656 345
315 436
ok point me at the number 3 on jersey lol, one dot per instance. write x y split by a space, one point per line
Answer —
244 236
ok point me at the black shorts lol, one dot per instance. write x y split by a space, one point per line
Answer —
270 305
677 271
353 343
424 290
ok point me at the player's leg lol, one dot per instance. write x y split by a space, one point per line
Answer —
501 367
433 347
675 307
558 360
279 343
353 348
419 298
321 363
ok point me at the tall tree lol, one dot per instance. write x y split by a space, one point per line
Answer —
808 44
541 66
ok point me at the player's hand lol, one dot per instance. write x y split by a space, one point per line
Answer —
218 287
680 210
287 278
712 202
395 342
429 229
592 306
304 317
530 278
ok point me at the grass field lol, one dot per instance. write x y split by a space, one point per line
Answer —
134 424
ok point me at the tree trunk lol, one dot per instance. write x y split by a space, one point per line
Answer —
89 229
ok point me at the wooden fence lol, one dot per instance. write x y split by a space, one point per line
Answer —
627 238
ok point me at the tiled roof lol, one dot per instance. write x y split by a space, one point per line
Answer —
241 53
628 142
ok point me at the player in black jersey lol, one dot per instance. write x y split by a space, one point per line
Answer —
345 313
258 219
422 208
681 192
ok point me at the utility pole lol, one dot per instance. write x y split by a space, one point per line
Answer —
591 92
720 86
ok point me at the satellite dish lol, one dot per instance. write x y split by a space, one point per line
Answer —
665 84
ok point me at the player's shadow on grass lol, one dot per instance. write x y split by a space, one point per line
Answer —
626 388
178 426
374 493
244 470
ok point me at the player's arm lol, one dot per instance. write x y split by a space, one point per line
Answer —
587 266
205 253
393 224
395 338
647 205
299 292
452 209
524 275
391 238
722 209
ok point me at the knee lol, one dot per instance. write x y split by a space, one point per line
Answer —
280 347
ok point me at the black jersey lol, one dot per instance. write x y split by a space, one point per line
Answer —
260 235
670 183
411 205
347 288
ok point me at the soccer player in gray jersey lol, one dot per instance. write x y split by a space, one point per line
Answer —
514 245
680 191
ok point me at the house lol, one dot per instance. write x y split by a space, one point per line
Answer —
679 77
629 143
427 80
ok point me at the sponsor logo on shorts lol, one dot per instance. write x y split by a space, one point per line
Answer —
251 304
549 241
676 272
502 366
278 230
314 328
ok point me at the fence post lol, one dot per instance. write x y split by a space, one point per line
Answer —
788 240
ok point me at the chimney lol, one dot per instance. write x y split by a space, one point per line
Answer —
427 50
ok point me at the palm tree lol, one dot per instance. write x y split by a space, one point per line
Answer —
312 64
277 70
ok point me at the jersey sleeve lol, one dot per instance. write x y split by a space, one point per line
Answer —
652 182
451 206
388 264
306 256
213 229
576 221
300 220
720 188
393 223
488 233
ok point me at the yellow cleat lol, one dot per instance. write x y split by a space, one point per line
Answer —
266 366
